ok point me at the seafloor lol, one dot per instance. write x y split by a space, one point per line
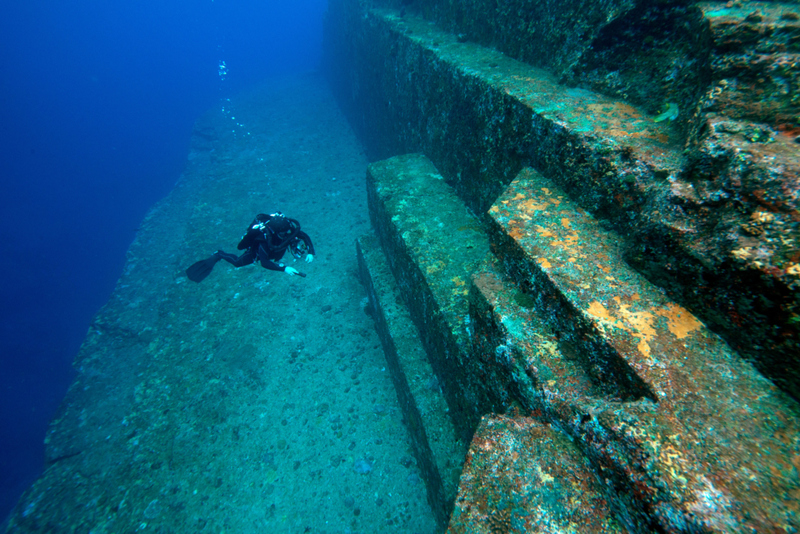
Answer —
253 401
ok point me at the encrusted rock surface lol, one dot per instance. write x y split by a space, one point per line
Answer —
523 476
706 203
710 409
635 166
561 328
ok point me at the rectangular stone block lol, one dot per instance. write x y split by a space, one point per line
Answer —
434 439
710 409
433 245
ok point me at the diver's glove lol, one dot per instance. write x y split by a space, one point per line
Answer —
309 258
291 271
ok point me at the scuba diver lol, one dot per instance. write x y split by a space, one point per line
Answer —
266 240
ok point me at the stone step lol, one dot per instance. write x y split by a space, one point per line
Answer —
709 443
556 380
522 356
523 476
434 440
715 223
433 245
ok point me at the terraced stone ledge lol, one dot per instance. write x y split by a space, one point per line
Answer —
554 327
715 223
434 440
691 434
432 245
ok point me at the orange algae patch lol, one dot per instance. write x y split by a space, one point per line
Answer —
460 288
615 119
516 233
615 110
597 309
572 239
435 267
637 324
642 323
543 262
565 222
622 133
545 232
679 321
532 205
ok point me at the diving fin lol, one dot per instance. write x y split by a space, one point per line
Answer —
198 271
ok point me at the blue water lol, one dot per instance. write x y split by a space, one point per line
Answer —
97 103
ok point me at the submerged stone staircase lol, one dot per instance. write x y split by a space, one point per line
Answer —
687 418
557 332
714 223
610 301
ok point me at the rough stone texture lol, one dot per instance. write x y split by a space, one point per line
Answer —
756 49
480 115
686 436
714 222
433 437
546 373
646 276
649 53
523 476
432 245
627 333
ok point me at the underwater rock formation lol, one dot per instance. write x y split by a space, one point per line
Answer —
633 167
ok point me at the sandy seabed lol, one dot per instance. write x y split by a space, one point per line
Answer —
253 401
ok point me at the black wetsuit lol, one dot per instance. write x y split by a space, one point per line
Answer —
268 246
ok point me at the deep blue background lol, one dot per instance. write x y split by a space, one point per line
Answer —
97 102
